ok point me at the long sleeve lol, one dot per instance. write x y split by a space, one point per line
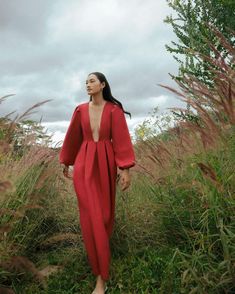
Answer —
73 139
122 145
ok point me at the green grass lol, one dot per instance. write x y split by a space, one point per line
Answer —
142 271
174 237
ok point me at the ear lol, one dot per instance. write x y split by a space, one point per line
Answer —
103 84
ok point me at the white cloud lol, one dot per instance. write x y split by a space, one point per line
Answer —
99 19
51 46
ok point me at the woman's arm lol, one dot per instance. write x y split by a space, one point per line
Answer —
73 140
122 145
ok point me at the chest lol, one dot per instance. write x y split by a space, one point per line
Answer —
95 115
98 121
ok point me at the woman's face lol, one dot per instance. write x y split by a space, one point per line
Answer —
93 85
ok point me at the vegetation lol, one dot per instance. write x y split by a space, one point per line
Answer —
175 227
190 25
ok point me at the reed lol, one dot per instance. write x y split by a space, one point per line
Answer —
193 176
31 200
174 229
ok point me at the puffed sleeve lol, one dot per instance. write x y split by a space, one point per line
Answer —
72 140
122 145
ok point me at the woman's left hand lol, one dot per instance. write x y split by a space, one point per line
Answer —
125 179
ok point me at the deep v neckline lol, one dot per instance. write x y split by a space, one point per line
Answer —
100 123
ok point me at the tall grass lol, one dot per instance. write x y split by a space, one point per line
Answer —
193 172
175 226
32 208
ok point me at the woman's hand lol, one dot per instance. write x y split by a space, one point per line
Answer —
125 179
66 172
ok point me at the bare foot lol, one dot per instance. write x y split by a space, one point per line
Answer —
100 286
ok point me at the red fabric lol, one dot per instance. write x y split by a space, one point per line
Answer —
94 176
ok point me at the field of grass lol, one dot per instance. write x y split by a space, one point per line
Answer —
175 226
168 238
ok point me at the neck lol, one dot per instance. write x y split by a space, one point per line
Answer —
98 99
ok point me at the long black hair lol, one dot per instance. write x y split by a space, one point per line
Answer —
107 91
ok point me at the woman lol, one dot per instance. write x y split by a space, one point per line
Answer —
96 143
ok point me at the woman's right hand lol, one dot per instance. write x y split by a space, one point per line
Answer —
66 172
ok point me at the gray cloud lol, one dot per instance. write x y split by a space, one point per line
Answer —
49 47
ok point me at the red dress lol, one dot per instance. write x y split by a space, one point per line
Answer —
94 176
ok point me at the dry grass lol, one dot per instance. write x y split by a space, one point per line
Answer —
215 111
191 169
24 172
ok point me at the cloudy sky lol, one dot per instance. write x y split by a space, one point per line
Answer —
49 47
